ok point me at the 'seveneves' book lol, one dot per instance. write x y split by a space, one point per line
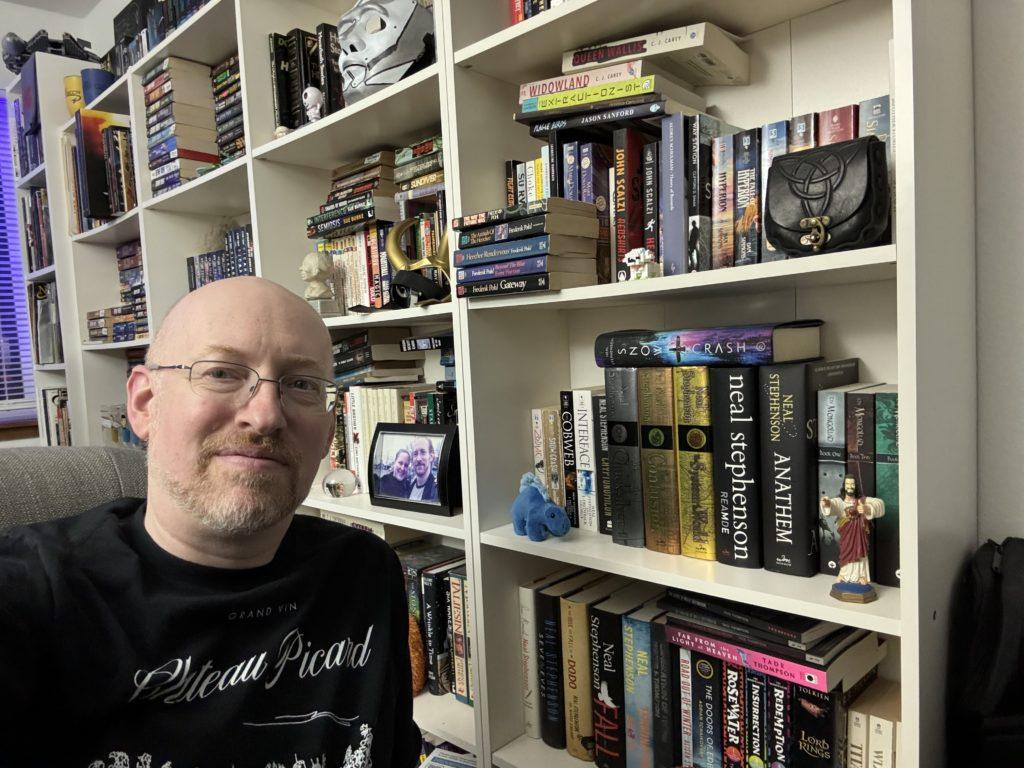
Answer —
763 344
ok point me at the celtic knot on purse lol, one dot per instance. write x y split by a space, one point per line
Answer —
831 198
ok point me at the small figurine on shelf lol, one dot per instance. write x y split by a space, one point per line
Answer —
316 271
642 263
855 513
313 101
533 512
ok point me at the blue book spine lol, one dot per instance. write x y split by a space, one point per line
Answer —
774 142
747 201
636 644
531 266
487 254
672 197
571 170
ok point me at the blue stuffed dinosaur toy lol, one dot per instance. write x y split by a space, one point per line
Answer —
533 512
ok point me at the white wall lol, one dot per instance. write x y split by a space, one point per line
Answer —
27 21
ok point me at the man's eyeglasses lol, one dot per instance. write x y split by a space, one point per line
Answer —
238 383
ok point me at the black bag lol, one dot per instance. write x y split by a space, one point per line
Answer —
985 709
831 198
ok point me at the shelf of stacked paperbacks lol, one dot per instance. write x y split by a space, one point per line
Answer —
761 528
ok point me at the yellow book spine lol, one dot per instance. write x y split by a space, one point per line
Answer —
695 465
579 725
638 86
657 460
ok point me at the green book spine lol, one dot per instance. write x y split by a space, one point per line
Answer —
887 486
695 462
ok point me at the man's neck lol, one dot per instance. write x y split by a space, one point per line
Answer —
421 483
175 532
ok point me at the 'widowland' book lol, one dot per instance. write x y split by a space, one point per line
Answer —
763 344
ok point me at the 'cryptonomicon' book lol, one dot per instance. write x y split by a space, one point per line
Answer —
706 676
568 437
764 344
627 495
737 466
655 408
748 200
789 416
692 394
722 191
887 486
774 141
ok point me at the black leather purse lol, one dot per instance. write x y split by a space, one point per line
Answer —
830 198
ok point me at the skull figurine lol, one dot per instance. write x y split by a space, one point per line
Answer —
313 101
383 41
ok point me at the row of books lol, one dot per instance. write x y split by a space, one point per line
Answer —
527 9
624 673
142 25
726 459
543 245
35 217
129 320
56 417
235 259
45 324
301 60
99 169
27 147
181 125
226 79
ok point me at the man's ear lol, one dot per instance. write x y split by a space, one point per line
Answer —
140 400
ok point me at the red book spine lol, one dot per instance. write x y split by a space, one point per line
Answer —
839 124
518 13
629 205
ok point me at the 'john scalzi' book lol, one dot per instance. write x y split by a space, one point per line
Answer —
764 344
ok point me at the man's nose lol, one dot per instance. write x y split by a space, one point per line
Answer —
264 411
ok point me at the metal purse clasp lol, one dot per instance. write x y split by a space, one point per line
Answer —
818 235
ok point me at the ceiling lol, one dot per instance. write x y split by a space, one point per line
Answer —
77 8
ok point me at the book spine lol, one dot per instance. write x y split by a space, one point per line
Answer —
510 185
701 131
756 721
685 738
707 711
742 345
882 736
578 97
537 440
860 441
629 230
607 689
831 470
528 643
419 167
816 736
618 73
857 740
664 698
602 476
835 125
553 455
672 188
655 414
435 622
521 196
621 114
501 251
691 390
503 285
779 732
722 191
650 198
734 718
637 678
737 466
535 265
774 142
627 504
549 674
586 459
570 170
748 201
460 687
887 484
576 680
568 437
802 134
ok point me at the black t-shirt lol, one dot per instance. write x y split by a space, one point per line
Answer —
112 649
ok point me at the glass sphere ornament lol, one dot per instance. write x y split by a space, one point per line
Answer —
341 483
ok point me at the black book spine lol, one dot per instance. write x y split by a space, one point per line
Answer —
650 198
279 80
606 118
778 716
707 710
789 415
602 475
860 440
435 621
503 285
354 359
499 233
665 704
549 670
737 466
555 176
328 51
819 724
624 457
511 199
734 725
698 169
756 721
608 689
566 422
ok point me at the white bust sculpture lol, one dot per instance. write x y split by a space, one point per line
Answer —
316 271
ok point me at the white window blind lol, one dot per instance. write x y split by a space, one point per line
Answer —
16 383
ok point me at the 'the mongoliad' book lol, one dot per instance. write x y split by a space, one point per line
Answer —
764 344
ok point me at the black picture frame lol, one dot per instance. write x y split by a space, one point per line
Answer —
391 488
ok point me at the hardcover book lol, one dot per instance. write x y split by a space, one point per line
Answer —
692 395
734 716
774 142
629 220
624 475
637 676
887 486
731 345
706 676
603 472
748 200
788 408
737 466
655 408
568 437
722 201
665 698
820 723
584 429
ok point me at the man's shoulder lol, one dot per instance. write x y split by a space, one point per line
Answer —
313 533
68 534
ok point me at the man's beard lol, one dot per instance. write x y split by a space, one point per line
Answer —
245 501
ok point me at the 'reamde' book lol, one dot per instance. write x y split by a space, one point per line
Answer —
764 344
788 407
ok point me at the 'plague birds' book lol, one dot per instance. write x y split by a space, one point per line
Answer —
765 344
658 460
692 395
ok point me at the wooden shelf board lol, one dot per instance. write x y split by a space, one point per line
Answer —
447 717
224 191
44 275
360 506
434 313
120 230
33 179
208 37
397 115
861 266
525 752
532 49
793 594
88 346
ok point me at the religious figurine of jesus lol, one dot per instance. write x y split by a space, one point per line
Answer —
855 513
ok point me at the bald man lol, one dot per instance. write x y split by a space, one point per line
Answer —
208 626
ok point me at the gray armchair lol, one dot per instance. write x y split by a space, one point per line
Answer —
39 484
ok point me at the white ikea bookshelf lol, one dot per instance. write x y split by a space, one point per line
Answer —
907 310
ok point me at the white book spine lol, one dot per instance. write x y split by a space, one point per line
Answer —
881 742
521 182
364 278
586 463
531 182
686 706
528 640
857 740
537 440
545 171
